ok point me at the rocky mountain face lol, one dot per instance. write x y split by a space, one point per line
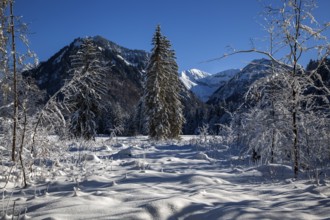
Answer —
230 96
224 92
125 79
238 85
123 64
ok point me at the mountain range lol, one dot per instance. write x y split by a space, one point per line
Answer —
204 84
125 84
201 92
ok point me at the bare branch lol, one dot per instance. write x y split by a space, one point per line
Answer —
267 54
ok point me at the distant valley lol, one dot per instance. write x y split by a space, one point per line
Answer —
204 84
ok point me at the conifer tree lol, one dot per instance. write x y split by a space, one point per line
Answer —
84 98
176 117
162 100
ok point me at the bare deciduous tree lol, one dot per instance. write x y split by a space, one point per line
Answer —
294 32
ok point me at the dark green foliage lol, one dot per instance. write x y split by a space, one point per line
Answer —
84 99
173 97
163 106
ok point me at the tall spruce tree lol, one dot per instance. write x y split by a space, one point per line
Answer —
173 102
162 99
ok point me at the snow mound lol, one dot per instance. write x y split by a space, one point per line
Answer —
104 148
202 156
166 208
271 171
200 180
127 152
120 145
91 157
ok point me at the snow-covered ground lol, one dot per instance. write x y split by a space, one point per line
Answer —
134 178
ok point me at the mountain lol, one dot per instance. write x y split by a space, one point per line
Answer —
231 94
51 75
125 79
204 84
238 85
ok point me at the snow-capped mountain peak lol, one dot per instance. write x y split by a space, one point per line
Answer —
203 84
190 78
196 74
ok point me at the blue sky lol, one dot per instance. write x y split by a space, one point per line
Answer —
198 29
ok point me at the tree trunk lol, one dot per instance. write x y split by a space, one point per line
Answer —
21 147
272 147
295 135
274 131
295 54
15 114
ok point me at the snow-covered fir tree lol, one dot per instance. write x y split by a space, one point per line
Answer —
163 107
173 102
84 100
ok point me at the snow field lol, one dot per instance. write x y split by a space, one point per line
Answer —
134 178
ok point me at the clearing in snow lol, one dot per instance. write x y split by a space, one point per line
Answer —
135 178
